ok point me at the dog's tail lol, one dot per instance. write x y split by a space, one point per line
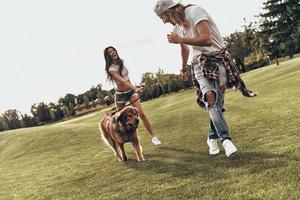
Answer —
103 132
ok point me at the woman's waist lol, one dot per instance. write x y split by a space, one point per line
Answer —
123 91
121 86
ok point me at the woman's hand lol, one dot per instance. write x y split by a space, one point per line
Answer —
139 90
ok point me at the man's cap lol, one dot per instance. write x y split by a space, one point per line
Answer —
163 5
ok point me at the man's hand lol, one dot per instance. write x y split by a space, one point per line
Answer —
174 38
184 75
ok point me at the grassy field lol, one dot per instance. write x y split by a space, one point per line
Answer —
69 161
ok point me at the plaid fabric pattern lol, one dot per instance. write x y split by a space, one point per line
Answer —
208 63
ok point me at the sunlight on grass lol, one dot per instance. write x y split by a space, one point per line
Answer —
69 161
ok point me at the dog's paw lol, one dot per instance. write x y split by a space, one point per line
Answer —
119 158
124 159
141 160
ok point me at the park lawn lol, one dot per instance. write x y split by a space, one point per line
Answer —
68 160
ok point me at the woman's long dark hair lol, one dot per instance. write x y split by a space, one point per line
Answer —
109 62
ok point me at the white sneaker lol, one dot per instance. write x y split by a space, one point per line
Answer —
213 146
229 147
156 141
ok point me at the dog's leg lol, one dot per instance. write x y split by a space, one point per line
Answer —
123 152
138 150
116 150
110 142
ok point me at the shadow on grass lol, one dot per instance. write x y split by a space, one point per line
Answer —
180 162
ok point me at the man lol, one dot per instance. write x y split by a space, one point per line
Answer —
212 66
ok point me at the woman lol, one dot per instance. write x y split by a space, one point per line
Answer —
125 91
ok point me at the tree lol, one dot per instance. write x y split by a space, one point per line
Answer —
280 25
253 40
100 97
147 81
56 108
175 83
155 88
66 111
237 47
71 109
42 111
28 120
290 46
1 127
86 101
52 114
99 87
147 94
80 98
92 93
22 124
4 125
12 118
111 96
162 80
70 98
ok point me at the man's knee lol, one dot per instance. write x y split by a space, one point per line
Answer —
222 89
210 98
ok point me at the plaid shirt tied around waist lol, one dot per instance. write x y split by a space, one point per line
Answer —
209 68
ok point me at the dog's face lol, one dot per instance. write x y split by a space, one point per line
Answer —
129 117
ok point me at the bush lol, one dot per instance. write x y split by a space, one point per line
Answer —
258 64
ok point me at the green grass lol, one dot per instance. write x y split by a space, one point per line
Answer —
69 161
285 58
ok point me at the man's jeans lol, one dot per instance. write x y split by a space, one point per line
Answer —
217 126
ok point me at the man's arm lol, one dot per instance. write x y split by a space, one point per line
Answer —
203 37
185 51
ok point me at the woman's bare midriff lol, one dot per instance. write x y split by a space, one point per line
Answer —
122 88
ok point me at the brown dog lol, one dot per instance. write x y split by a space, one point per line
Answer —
119 129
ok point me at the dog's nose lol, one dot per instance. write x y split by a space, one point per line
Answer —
137 121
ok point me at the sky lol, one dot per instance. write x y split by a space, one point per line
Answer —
49 48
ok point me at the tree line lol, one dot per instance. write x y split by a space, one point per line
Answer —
41 113
277 34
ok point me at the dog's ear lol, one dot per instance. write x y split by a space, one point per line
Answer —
136 111
121 118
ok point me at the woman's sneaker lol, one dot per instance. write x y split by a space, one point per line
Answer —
213 146
155 141
229 147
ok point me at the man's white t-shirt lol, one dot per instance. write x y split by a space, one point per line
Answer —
195 14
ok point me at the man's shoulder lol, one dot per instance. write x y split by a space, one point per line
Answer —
194 7
196 12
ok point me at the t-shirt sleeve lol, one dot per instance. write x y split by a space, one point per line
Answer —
177 31
199 14
112 68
